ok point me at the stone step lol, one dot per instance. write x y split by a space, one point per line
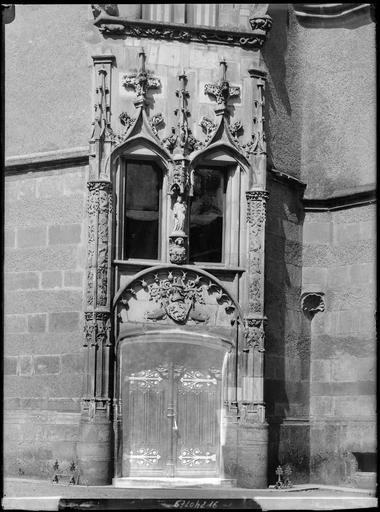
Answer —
175 482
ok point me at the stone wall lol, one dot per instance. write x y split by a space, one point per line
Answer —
339 260
287 355
47 78
321 102
45 244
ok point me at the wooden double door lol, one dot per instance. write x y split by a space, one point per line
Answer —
172 403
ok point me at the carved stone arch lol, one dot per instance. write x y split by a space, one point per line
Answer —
221 147
178 296
141 145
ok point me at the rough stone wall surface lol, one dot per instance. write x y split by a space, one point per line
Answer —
339 260
287 355
45 244
47 78
321 102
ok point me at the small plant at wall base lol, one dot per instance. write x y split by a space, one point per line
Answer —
283 477
72 474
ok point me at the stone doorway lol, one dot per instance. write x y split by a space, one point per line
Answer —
171 409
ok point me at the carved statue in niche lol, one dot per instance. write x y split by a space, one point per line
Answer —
179 212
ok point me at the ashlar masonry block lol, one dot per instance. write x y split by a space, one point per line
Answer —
15 323
10 365
37 323
51 279
65 234
46 364
25 365
31 236
21 280
64 322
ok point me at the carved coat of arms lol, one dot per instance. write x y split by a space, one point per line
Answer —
177 297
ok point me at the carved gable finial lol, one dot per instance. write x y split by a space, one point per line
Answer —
221 90
142 81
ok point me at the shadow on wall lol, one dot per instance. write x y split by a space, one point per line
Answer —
288 335
274 52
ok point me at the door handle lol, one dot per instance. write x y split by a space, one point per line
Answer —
175 426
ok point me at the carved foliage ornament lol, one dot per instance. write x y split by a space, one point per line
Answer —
196 457
142 80
144 456
254 333
256 219
221 90
99 210
97 328
157 30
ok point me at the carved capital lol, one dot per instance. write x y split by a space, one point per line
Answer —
97 328
312 303
256 202
254 333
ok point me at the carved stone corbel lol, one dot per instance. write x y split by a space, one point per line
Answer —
312 303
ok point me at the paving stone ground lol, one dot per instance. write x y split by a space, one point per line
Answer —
26 494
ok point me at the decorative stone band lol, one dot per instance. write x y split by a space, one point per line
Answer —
113 25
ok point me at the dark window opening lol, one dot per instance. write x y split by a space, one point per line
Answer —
207 216
142 211
366 461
